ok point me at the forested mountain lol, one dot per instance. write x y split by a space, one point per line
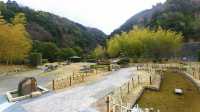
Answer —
177 15
47 27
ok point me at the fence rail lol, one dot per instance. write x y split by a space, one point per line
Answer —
117 101
192 68
75 78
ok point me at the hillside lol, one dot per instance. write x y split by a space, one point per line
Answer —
140 19
178 15
47 27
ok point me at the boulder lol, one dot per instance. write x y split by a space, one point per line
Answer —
27 86
178 91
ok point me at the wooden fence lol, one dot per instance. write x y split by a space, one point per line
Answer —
117 100
192 68
75 78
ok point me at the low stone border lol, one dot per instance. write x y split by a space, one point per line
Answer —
34 94
137 97
155 87
193 80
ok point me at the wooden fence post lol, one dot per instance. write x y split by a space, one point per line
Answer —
128 87
108 103
133 82
53 85
150 80
70 80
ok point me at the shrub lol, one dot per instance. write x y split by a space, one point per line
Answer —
134 60
90 60
35 59
103 62
123 61
45 61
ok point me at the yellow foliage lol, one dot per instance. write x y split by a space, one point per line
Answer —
99 52
146 43
14 42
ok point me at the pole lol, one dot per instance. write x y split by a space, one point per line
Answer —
128 87
70 80
150 80
133 82
53 85
108 103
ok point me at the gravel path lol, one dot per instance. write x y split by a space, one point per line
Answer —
78 99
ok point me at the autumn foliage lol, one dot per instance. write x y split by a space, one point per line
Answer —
15 44
145 43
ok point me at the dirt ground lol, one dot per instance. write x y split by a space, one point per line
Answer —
11 80
67 70
12 69
167 101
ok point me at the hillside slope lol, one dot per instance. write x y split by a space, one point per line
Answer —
178 15
140 19
47 27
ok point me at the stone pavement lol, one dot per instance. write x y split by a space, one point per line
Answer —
78 99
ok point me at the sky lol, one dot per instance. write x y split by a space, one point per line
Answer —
106 15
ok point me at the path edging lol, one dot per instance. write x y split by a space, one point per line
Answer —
155 87
194 81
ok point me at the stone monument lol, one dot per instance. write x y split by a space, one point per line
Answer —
27 86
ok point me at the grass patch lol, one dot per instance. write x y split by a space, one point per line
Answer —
167 101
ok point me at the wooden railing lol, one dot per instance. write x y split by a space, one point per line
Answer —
117 100
75 78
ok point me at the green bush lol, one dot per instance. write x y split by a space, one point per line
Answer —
158 60
35 59
92 66
134 60
123 61
45 61
103 62
65 53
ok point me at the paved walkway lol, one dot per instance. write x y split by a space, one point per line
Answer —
78 99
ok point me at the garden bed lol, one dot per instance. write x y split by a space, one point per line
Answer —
167 101
14 96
